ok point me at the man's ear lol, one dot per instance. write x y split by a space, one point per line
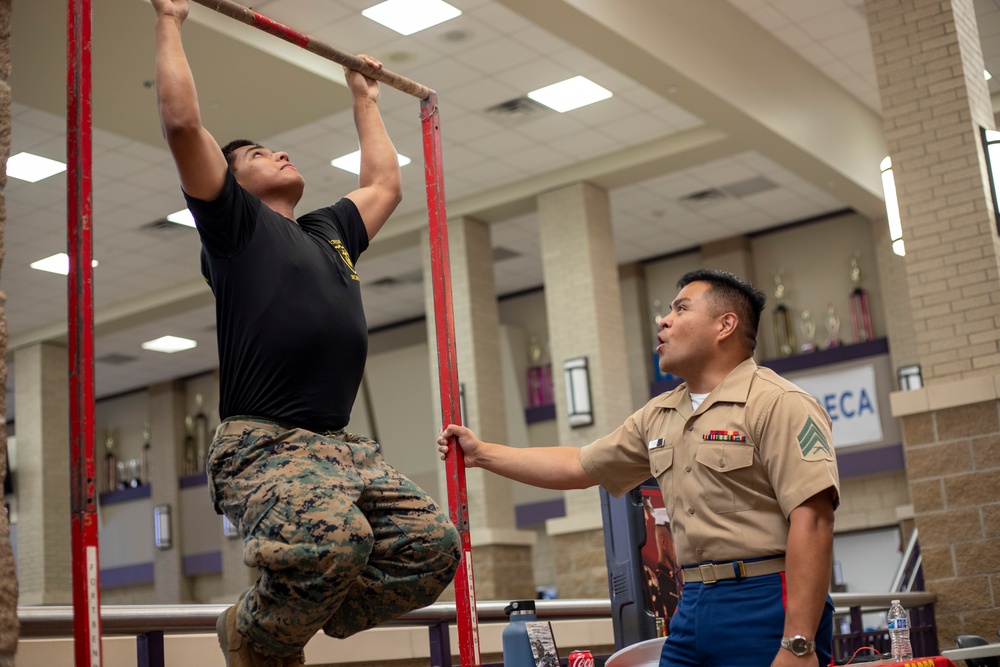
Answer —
728 324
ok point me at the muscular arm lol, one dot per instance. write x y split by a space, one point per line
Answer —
200 163
381 187
808 562
546 467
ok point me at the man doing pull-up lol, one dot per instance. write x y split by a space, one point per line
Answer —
342 540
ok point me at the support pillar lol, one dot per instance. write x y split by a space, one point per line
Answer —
9 626
503 566
929 64
640 332
166 425
585 319
41 390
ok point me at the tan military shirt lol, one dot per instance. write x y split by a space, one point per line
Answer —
731 472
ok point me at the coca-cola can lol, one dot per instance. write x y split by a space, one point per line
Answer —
580 658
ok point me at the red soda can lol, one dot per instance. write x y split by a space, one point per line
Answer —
580 658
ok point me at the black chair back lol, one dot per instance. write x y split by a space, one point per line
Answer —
969 641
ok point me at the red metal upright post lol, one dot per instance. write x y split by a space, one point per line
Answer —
79 208
444 322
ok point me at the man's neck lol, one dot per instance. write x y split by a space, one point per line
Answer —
712 375
704 384
281 206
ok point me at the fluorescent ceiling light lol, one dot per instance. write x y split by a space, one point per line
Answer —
409 16
169 344
58 263
182 217
352 162
987 75
33 168
570 94
892 207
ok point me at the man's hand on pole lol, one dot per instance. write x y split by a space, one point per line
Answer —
171 9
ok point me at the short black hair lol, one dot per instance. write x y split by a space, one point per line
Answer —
230 148
733 294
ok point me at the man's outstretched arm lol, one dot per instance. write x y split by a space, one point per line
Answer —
381 185
199 160
545 467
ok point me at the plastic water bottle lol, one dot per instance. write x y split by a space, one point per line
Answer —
898 621
516 644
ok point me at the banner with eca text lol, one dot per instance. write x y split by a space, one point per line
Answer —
852 401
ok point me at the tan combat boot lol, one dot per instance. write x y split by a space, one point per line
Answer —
240 653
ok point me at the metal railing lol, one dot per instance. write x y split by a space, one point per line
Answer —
910 573
923 631
149 623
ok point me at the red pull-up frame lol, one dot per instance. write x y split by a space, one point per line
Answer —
79 209
86 601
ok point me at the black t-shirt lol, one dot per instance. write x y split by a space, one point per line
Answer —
291 328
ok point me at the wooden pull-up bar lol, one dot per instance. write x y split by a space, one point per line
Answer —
252 18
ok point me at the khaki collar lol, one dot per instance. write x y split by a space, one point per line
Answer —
735 388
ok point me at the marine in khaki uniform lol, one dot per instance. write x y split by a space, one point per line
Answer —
746 465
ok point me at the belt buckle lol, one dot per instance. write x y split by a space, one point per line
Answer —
708 575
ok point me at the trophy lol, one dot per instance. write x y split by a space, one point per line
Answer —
782 317
144 456
861 318
133 474
832 327
200 432
190 455
534 351
110 465
121 470
539 375
535 391
808 329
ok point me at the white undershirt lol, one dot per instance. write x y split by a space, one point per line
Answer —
696 400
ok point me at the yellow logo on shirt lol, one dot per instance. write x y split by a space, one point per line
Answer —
344 255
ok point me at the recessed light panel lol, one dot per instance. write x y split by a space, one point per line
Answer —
409 16
570 94
169 344
352 162
33 168
58 263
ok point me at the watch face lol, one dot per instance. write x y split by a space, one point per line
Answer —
798 645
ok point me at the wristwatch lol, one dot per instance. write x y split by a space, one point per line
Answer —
798 645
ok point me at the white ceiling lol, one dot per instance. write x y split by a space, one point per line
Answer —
775 96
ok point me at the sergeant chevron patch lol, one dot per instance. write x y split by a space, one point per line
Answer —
812 441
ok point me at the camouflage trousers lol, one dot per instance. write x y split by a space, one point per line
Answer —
342 540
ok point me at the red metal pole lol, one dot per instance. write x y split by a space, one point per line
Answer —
251 18
444 322
86 581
